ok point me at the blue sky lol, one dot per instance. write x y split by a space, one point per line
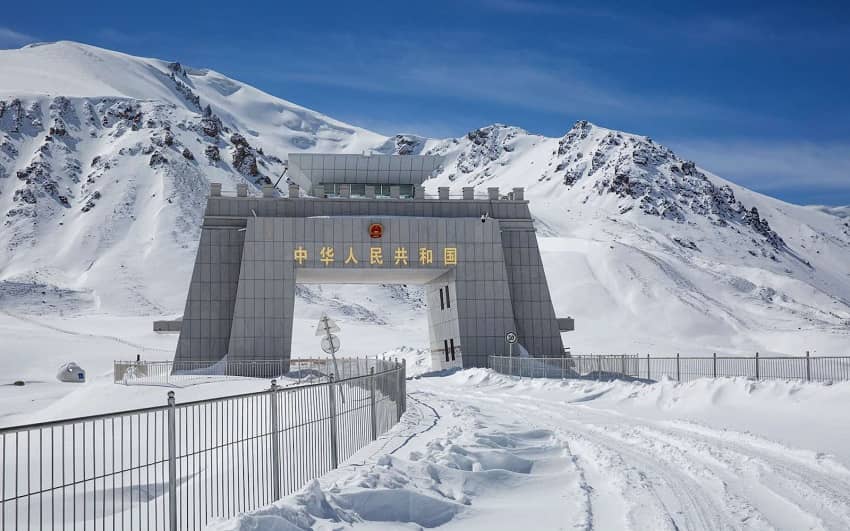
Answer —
759 93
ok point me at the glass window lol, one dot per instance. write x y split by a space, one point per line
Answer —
359 190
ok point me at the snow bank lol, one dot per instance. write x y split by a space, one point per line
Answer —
808 415
479 450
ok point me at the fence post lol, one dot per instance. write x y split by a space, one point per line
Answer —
678 371
648 376
403 386
623 365
808 367
563 367
757 365
714 355
275 441
172 462
332 397
397 391
372 403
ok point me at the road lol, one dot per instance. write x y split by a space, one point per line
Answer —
576 466
480 451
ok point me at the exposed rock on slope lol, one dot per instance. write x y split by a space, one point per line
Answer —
105 161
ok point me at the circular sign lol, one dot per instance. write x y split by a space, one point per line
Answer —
376 230
330 344
510 337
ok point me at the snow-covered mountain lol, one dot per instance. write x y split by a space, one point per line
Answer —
105 160
637 240
840 211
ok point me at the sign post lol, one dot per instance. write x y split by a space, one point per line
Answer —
330 343
510 339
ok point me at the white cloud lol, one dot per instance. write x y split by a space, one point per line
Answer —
773 165
10 38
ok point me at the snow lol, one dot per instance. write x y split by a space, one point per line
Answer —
34 347
100 230
665 257
478 450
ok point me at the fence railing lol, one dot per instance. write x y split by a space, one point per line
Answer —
179 465
679 368
190 372
613 366
808 368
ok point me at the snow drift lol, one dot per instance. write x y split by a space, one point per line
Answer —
479 450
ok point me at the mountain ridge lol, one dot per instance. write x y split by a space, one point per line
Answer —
100 193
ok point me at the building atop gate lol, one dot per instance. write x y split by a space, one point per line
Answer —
358 219
328 175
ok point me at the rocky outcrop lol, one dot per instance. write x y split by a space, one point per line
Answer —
91 201
651 178
485 146
157 159
212 153
211 124
244 157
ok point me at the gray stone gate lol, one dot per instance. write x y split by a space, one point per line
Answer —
477 257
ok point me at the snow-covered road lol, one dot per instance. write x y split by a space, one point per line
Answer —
479 450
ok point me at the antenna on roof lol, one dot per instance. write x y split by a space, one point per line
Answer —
281 176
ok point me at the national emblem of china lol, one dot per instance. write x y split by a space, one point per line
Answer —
376 230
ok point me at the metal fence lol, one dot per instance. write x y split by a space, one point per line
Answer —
614 366
189 372
808 368
179 465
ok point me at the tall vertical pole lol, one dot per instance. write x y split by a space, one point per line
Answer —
397 391
275 440
678 371
757 365
332 398
172 462
403 386
714 355
511 359
808 367
372 403
648 376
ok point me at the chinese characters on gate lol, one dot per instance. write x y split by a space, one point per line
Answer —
400 256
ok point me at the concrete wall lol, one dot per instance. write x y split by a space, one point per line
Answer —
205 330
443 323
241 298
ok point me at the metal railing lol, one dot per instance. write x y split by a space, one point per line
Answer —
808 368
257 194
179 465
191 372
597 367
